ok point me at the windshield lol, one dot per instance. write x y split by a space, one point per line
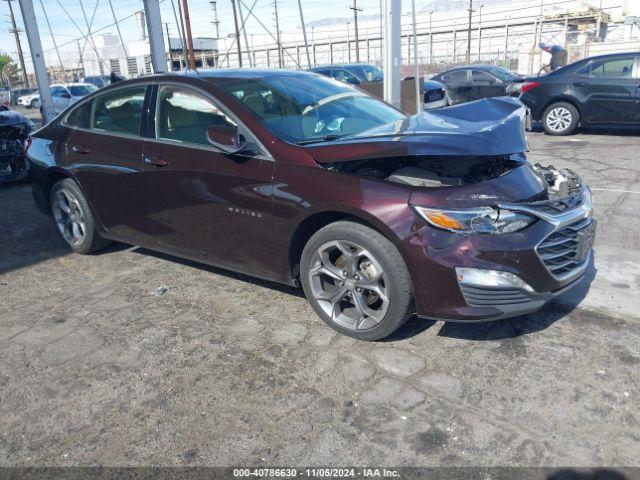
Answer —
370 72
306 108
503 74
82 90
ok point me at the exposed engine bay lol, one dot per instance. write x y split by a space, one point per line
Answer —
15 129
427 171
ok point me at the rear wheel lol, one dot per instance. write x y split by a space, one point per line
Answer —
356 281
74 219
560 119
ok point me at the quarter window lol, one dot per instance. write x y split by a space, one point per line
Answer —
80 116
119 111
184 116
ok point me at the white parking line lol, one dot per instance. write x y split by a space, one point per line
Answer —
612 190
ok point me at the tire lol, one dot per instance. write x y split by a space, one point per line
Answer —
34 103
560 118
74 218
348 288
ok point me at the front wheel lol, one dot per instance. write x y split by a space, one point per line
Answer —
560 118
74 218
356 281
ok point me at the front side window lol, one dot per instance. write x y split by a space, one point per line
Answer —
305 108
615 67
482 78
80 116
456 77
119 111
184 116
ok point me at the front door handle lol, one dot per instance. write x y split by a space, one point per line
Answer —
81 149
580 84
156 161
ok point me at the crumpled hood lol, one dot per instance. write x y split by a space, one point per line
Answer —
492 126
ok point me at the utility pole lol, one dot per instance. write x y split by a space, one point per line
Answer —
355 22
156 39
166 26
187 22
235 21
37 57
480 35
416 73
392 55
80 59
216 22
430 40
244 33
275 11
304 33
469 32
16 32
180 27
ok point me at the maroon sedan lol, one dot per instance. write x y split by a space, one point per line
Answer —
300 179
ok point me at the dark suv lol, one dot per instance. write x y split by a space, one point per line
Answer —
299 179
603 90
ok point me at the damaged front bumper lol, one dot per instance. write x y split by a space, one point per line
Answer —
491 277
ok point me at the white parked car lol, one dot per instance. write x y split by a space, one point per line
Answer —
31 100
62 95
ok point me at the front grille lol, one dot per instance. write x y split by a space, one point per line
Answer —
567 248
433 95
493 296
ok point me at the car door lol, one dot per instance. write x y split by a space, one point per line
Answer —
210 205
458 84
105 154
608 89
485 85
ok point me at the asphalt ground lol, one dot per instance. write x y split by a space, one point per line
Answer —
98 367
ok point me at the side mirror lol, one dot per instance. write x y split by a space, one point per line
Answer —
226 138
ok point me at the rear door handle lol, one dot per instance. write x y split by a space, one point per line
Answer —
156 161
580 84
81 149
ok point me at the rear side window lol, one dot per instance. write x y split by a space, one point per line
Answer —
613 67
184 116
119 111
455 77
80 116
482 78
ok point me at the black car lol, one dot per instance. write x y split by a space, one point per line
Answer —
474 82
594 91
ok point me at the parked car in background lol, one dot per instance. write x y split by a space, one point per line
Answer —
20 92
474 82
30 100
64 95
101 81
353 73
435 95
602 90
292 177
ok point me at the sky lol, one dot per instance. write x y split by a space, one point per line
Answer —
66 33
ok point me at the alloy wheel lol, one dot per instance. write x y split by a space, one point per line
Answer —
559 119
69 217
349 284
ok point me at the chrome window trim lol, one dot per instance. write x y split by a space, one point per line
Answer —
265 155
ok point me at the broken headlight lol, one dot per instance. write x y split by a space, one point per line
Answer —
476 220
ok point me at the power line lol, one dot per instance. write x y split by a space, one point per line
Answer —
16 31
